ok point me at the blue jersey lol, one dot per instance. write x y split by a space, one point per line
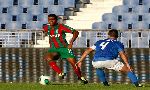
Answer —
107 49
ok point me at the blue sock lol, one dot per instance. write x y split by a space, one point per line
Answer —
132 77
101 75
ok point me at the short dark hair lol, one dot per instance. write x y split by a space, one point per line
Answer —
53 15
113 33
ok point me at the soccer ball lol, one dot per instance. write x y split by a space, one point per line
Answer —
44 80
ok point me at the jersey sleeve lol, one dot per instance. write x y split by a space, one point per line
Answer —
67 29
45 28
120 47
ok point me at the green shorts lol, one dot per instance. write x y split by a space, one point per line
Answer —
64 52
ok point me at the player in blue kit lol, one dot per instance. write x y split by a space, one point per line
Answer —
106 52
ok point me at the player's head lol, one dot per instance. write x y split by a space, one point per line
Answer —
113 33
52 19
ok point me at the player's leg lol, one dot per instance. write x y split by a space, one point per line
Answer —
131 76
51 57
119 66
76 69
101 75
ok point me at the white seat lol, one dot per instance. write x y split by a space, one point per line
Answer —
125 42
13 25
11 42
15 10
25 3
56 9
130 2
109 17
6 3
25 35
145 33
146 17
24 17
35 9
80 42
120 9
67 3
134 34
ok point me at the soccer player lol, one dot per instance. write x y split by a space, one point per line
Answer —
106 52
59 48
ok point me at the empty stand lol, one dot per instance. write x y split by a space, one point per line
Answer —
56 9
67 3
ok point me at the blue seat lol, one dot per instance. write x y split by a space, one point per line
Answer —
13 25
56 9
140 9
43 18
119 26
24 17
6 3
146 2
120 9
109 17
130 2
34 25
35 9
46 2
130 17
15 10
140 25
26 3
99 25
5 18
67 3
146 17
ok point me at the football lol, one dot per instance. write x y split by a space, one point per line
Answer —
44 80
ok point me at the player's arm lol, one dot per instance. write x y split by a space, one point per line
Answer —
75 35
45 30
125 59
86 52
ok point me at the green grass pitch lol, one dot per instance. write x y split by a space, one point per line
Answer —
69 86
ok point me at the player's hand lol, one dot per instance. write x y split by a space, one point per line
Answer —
129 67
70 46
78 64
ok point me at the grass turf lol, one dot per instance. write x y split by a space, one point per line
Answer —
67 86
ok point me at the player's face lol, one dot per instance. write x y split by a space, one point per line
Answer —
52 21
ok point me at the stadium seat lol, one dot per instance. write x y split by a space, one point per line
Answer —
146 17
135 42
146 2
140 25
119 26
5 18
6 3
67 3
145 34
26 3
25 36
24 17
129 17
125 42
13 25
35 9
46 2
134 34
14 10
144 42
126 34
43 18
34 25
99 25
11 42
120 9
140 9
109 17
130 2
56 9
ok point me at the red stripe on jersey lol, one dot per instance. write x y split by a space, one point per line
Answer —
60 37
45 27
52 33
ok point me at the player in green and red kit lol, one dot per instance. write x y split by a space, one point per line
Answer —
59 46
